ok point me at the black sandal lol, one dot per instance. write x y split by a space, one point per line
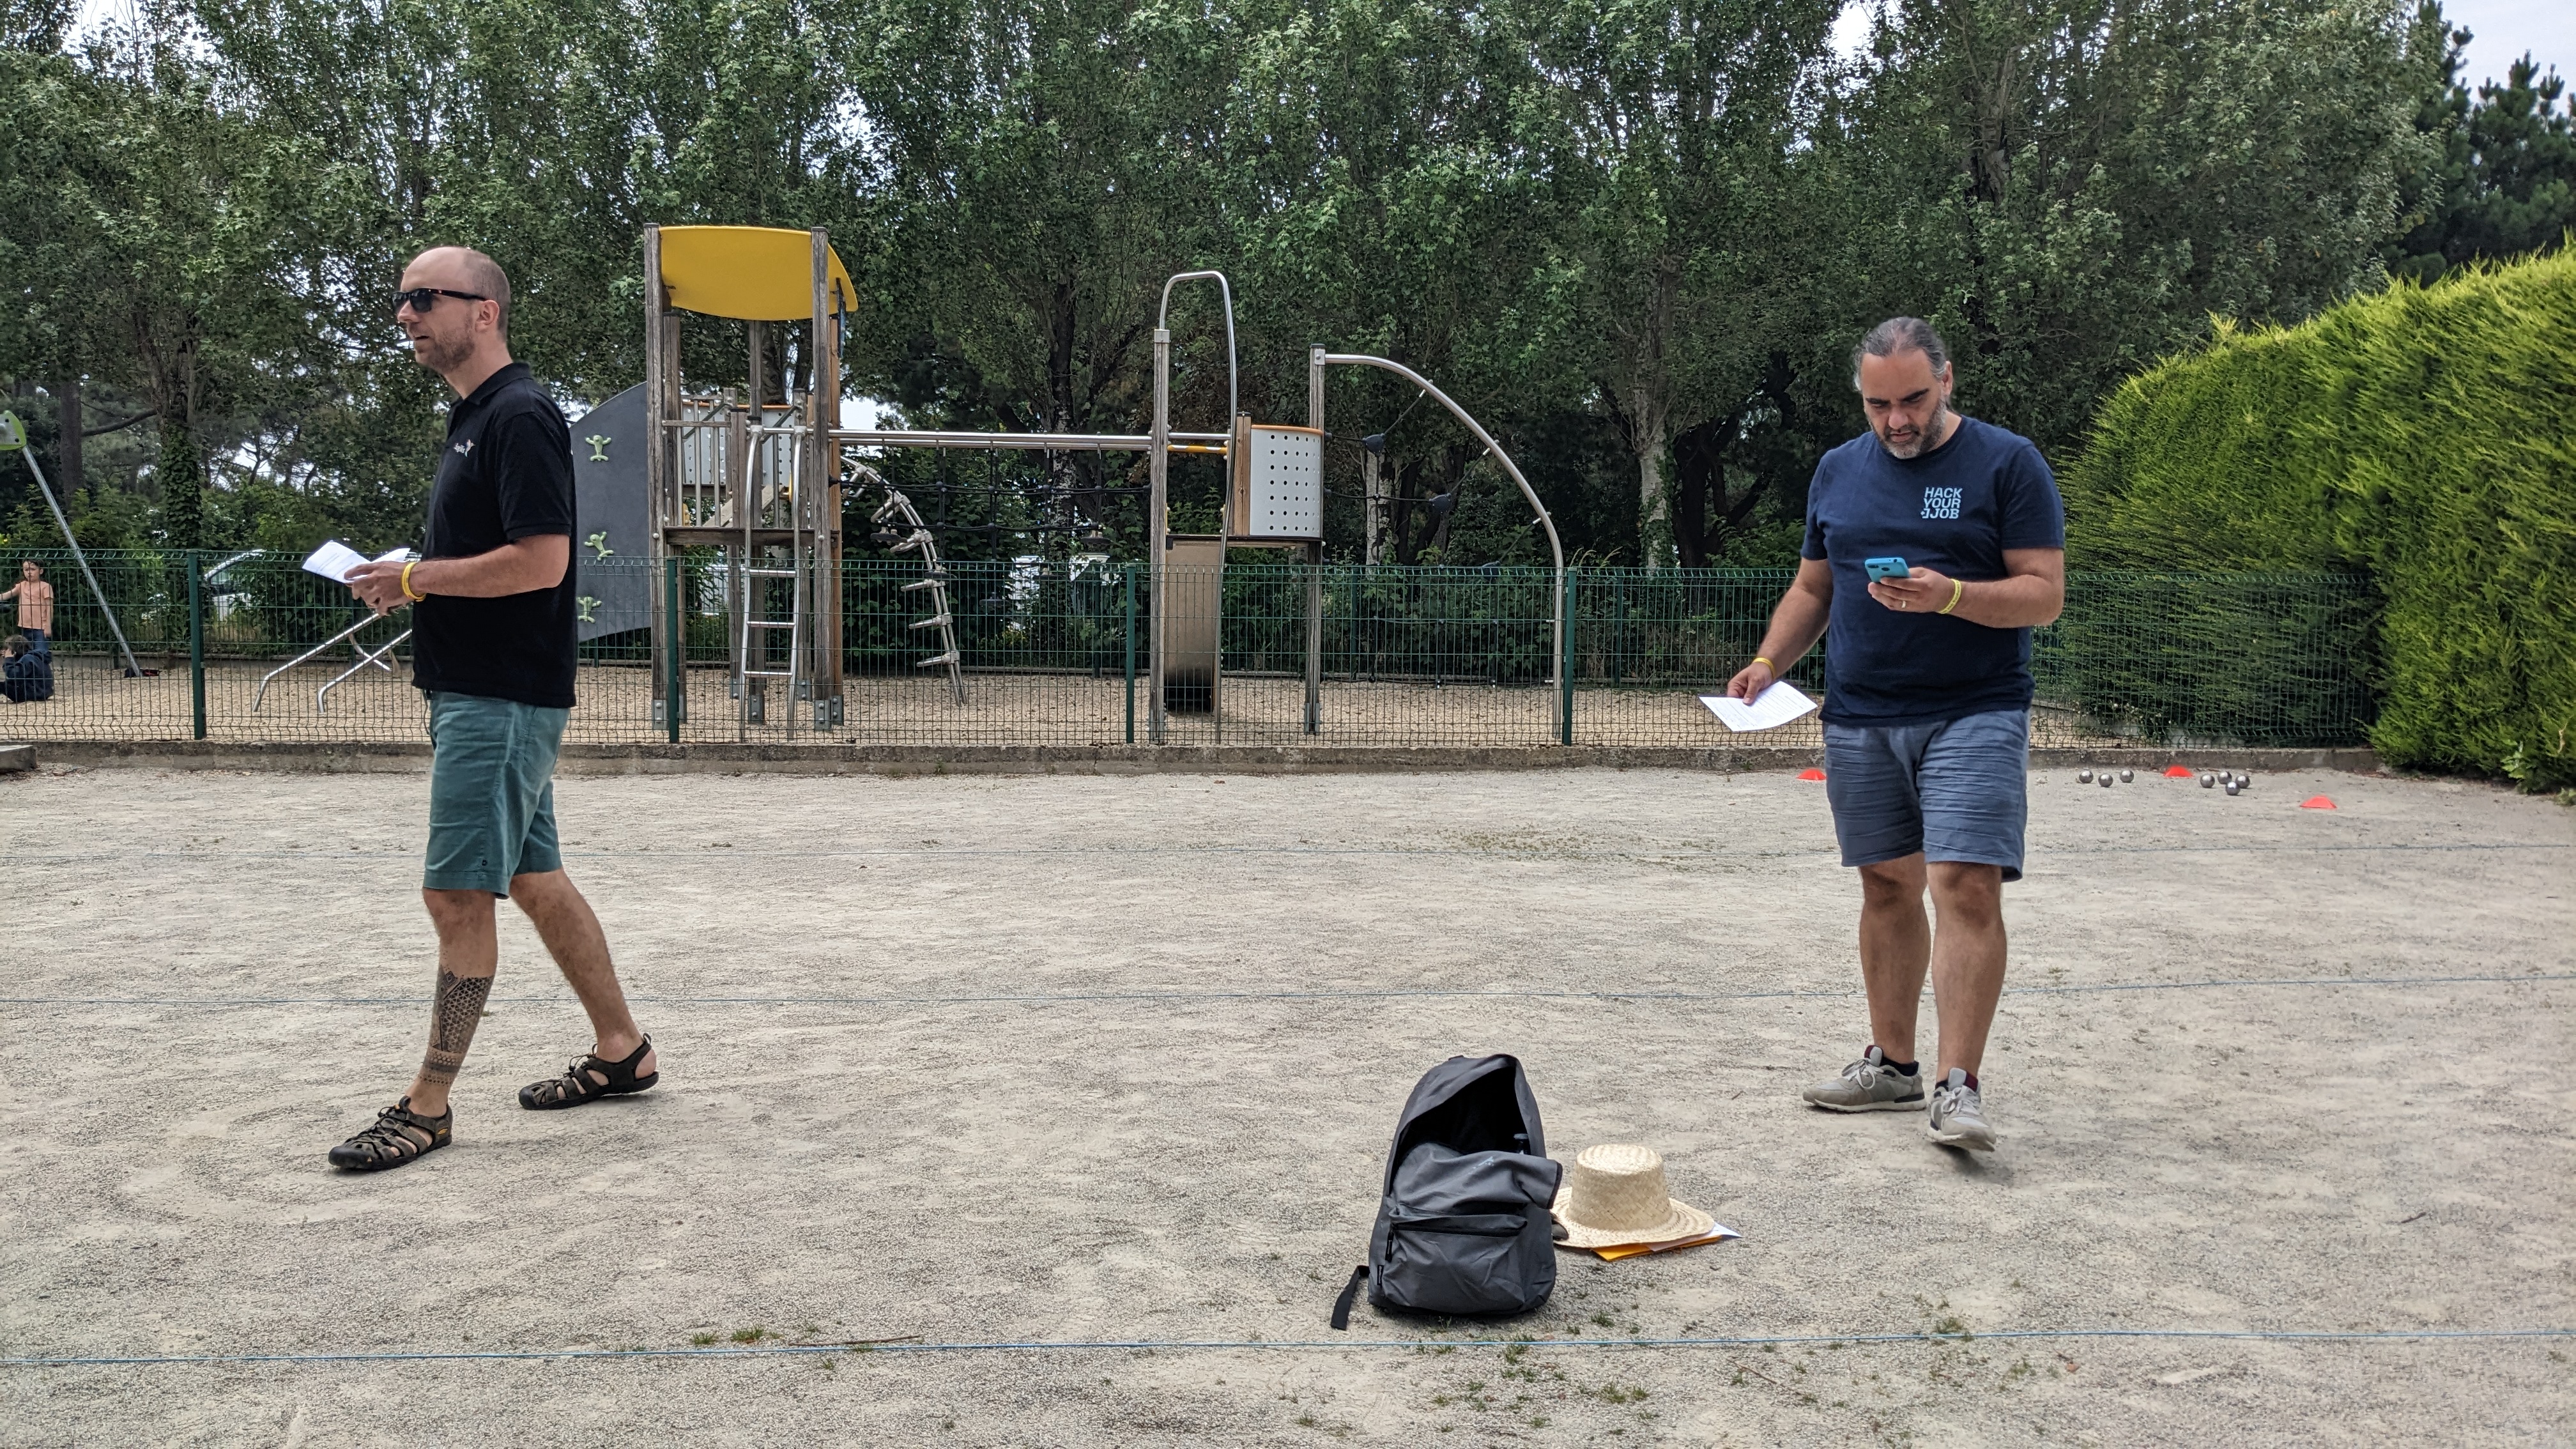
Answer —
574 1087
400 1135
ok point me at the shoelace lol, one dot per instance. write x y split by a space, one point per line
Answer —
1863 1073
388 1132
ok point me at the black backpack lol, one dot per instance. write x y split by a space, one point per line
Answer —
1463 1227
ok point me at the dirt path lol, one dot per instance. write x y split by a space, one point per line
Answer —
980 1060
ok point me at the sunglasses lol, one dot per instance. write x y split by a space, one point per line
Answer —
421 299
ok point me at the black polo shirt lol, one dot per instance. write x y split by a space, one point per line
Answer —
506 475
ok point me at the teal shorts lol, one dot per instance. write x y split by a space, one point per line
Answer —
491 792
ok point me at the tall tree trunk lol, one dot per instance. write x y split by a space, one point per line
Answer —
183 491
1373 483
1648 418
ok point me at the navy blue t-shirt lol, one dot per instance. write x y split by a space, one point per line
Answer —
1954 510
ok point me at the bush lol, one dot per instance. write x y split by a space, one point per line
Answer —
2423 437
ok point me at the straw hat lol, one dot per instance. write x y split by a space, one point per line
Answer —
1615 1194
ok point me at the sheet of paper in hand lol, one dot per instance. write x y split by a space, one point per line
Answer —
1774 707
334 559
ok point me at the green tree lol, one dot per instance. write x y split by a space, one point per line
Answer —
2075 187
2500 177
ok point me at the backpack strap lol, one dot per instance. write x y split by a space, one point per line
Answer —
1350 1291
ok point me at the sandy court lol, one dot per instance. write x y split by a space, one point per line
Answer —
976 1061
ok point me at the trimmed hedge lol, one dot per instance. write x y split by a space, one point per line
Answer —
2424 437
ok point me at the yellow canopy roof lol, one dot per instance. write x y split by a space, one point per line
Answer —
759 273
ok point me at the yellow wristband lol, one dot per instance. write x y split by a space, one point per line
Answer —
406 582
1765 660
1957 587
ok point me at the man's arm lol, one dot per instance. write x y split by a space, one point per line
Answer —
518 567
1796 625
2032 592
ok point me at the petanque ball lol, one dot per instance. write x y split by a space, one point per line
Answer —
2084 777
2207 781
2106 779
2231 787
2244 782
2128 775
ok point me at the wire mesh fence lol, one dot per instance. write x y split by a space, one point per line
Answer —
254 649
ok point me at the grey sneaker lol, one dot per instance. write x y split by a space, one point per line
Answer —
1868 1085
1959 1115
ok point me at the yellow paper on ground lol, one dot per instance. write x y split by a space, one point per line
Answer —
1717 1233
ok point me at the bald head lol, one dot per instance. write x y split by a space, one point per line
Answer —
463 269
464 338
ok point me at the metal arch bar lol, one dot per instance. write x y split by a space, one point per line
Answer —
1555 547
1163 322
1061 442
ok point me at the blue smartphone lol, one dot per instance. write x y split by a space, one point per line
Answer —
1883 569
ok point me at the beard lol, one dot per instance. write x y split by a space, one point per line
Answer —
1931 437
441 357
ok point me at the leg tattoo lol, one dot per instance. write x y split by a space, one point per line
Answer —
458 1010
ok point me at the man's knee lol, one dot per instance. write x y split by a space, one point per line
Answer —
1892 882
538 890
1967 892
449 910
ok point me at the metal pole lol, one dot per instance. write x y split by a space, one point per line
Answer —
1225 289
1158 468
196 644
676 688
1315 561
1565 668
13 435
660 480
1128 574
1314 638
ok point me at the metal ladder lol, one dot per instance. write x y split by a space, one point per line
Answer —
755 633
753 502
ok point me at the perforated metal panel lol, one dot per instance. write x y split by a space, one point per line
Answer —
1285 496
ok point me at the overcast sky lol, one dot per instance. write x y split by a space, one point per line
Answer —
2501 31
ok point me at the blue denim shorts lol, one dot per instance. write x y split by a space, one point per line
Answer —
1958 790
491 792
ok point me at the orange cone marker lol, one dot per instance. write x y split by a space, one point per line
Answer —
1811 774
2316 802
2177 772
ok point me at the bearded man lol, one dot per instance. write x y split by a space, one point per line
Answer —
1935 543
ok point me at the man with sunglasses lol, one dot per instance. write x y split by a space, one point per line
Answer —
493 620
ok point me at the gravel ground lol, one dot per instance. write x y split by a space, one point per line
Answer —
973 1061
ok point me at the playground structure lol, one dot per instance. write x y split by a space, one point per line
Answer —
759 472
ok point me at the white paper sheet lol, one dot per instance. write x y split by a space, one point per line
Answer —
1774 707
334 559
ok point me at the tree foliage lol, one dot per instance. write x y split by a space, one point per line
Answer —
2420 436
1637 239
2500 178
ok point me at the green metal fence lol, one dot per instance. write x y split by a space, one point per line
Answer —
1060 653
